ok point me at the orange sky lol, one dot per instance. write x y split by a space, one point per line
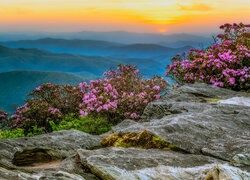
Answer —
154 16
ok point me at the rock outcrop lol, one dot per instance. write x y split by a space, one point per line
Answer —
46 156
196 119
209 125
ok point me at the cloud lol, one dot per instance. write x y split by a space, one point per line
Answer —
195 7
159 4
16 11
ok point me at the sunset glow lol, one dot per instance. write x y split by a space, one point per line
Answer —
162 30
121 15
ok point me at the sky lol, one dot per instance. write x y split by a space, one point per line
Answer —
142 16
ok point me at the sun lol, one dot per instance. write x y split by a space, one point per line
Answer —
162 30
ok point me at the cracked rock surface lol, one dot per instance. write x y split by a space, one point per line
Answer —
211 124
190 118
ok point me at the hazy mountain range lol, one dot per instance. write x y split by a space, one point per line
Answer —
98 48
172 40
86 66
15 85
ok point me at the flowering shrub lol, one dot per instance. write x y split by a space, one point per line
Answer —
50 103
35 113
122 94
3 118
63 98
224 64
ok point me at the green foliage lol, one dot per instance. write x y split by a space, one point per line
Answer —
36 131
7 134
86 124
174 147
70 122
214 100
124 145
156 139
172 86
16 133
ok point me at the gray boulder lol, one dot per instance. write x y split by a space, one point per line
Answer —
134 164
194 119
46 156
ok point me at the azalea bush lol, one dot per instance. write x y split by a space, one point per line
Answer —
3 118
123 93
65 98
35 113
50 102
225 63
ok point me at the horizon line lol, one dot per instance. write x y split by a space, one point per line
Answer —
120 31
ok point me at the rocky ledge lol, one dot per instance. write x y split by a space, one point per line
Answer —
210 127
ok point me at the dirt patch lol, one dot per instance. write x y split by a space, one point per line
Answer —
44 165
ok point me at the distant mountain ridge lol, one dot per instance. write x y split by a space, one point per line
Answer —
15 85
35 59
116 36
98 48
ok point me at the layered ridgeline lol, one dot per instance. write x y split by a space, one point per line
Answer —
100 48
32 64
34 59
172 40
15 85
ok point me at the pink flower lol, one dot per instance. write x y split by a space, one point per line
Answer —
134 115
106 107
157 96
38 88
232 80
123 95
83 113
99 109
176 86
156 87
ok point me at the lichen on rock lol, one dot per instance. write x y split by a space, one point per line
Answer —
143 139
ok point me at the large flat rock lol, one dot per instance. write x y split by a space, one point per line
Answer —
134 164
45 156
197 119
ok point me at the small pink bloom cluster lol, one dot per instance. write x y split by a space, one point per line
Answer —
51 102
3 118
54 111
3 114
224 64
35 113
123 93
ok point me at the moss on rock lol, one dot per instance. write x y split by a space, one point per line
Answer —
214 100
144 139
